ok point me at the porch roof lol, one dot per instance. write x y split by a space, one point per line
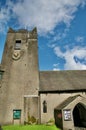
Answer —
67 102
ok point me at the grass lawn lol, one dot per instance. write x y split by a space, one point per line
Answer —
30 127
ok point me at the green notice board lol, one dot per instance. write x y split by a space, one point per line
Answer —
16 114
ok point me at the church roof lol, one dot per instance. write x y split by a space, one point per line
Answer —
69 80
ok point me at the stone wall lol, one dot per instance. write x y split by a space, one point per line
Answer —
21 76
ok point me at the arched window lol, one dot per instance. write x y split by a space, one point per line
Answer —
44 106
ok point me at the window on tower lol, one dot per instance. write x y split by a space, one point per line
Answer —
18 45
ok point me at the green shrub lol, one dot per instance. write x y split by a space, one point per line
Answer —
32 120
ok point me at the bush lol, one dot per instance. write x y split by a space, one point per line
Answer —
32 120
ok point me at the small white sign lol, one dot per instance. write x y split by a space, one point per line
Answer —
67 115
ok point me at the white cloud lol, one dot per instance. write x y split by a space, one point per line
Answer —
59 35
44 14
5 15
69 57
4 18
79 39
55 67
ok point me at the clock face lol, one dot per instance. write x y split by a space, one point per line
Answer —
16 55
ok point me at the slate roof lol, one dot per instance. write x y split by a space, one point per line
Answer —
67 102
62 80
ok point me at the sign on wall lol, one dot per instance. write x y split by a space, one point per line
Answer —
16 114
67 115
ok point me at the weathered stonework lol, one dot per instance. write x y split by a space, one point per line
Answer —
21 76
27 94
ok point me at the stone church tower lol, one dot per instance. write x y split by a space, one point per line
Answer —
20 83
27 94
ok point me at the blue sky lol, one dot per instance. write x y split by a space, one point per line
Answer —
61 26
